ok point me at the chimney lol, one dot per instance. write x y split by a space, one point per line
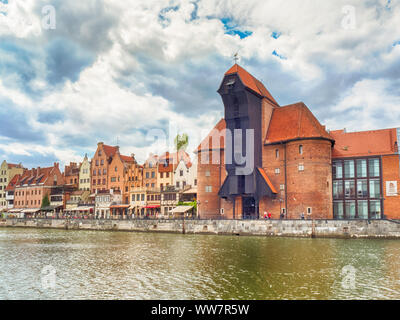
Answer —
34 172
100 143
56 164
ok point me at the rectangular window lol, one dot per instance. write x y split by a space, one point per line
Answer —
208 173
374 188
147 175
362 188
350 209
208 188
375 209
277 171
337 170
349 189
362 168
349 168
161 175
338 210
153 174
337 189
373 167
363 209
301 167
181 173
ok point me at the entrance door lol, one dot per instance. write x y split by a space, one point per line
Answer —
249 208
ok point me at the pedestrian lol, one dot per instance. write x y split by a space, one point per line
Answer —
269 215
265 215
302 216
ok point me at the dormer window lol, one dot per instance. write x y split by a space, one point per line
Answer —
230 83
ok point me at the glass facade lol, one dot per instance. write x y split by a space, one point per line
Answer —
357 188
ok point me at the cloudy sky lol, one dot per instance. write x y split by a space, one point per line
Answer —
126 71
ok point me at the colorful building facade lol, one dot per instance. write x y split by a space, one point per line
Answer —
84 175
7 172
286 163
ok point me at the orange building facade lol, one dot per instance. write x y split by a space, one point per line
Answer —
34 184
300 170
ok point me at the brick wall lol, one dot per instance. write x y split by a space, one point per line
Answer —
390 172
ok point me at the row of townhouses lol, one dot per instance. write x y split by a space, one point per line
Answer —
110 185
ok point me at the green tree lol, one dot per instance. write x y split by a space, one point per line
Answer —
45 201
181 141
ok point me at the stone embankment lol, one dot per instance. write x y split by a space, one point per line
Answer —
279 228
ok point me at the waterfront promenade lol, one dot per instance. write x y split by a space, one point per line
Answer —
386 229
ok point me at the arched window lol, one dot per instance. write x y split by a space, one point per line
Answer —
277 153
301 149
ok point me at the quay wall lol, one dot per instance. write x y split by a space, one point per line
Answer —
387 229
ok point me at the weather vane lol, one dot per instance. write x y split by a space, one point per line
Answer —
236 57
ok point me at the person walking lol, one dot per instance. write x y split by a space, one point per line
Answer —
269 215
302 216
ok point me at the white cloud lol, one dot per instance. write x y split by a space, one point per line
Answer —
115 96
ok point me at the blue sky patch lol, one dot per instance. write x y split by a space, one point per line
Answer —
275 34
232 28
279 55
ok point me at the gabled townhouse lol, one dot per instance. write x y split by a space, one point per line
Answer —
34 185
71 174
150 172
7 172
84 175
100 166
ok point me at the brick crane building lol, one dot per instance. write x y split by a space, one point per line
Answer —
263 157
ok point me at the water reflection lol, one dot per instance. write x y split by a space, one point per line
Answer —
118 265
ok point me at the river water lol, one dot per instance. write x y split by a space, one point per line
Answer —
60 264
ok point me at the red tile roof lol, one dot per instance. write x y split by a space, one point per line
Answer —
126 158
13 165
251 82
265 176
13 182
173 159
221 125
364 143
292 122
32 176
109 150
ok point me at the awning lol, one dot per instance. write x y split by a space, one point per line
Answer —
14 210
152 207
181 209
191 190
82 208
50 208
30 210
